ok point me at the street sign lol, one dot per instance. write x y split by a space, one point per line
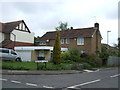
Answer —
41 61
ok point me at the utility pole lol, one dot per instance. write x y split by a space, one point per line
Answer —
108 41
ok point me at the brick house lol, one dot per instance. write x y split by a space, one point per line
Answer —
86 39
15 34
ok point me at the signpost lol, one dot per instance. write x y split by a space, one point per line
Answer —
41 61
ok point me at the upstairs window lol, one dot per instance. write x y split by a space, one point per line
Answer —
42 43
67 40
80 41
62 41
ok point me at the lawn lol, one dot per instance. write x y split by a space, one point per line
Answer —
33 66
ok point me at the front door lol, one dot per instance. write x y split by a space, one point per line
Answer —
41 53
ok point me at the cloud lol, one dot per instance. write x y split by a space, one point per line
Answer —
45 15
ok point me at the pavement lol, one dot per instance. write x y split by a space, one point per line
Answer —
48 72
21 72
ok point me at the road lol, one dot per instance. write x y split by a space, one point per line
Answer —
98 79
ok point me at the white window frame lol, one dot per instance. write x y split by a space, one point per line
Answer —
62 41
80 41
67 41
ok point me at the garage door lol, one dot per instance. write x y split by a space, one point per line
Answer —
25 55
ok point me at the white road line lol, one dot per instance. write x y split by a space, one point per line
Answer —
114 75
31 84
47 87
84 83
3 79
15 81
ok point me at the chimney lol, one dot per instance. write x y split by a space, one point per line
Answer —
96 25
71 28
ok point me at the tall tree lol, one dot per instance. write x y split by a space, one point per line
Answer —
62 26
57 49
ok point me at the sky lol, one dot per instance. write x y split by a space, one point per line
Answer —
42 16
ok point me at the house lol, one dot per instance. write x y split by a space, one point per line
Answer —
14 34
86 39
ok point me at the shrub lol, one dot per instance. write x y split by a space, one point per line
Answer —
74 54
104 56
94 60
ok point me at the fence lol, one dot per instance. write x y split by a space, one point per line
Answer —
113 61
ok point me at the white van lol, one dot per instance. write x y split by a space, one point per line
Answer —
9 55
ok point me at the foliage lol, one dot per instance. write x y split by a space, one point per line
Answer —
104 56
94 60
65 57
112 51
62 26
57 49
73 56
35 40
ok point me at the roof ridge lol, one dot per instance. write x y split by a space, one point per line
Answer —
14 21
73 29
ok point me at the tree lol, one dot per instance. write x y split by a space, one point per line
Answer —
62 26
57 49
35 40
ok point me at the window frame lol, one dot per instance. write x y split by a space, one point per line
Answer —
62 41
5 51
80 41
13 52
67 41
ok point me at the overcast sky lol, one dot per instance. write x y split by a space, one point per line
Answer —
44 15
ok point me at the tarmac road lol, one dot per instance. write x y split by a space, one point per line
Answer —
108 78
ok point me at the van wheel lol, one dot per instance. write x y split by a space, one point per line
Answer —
18 59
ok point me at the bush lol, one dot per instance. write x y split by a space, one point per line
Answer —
94 60
104 56
74 54
65 57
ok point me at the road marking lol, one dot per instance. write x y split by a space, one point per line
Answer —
84 83
88 70
15 81
47 87
114 75
31 84
3 79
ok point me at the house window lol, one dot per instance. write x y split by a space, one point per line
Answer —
80 41
67 40
42 43
62 41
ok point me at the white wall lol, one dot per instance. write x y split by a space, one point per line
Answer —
1 37
22 36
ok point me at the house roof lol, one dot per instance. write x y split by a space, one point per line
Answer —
5 43
10 26
72 33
